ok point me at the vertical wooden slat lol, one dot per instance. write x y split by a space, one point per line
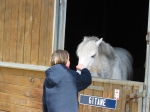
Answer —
107 94
99 94
119 87
134 103
1 77
35 32
85 107
2 13
21 30
43 32
6 39
14 28
90 92
80 105
28 31
125 105
50 31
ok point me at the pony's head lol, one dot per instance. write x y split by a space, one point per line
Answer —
87 51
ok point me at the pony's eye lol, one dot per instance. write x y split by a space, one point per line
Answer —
93 56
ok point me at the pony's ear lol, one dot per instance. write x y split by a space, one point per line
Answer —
85 38
99 41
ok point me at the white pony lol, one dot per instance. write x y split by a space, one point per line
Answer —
103 60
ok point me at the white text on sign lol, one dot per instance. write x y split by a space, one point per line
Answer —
97 101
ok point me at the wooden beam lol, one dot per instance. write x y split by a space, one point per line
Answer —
23 66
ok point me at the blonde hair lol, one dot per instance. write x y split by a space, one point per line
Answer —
59 57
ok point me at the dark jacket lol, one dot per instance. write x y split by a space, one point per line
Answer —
61 87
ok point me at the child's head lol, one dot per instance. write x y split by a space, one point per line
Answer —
60 57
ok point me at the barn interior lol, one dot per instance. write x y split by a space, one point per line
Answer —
120 23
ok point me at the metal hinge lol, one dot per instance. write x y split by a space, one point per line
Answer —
135 96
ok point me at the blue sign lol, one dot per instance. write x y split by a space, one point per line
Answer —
98 101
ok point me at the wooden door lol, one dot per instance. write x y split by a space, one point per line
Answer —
106 89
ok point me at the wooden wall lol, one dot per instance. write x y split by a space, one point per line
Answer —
21 90
26 28
26 37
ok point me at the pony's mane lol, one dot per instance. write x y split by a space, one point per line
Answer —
103 49
106 49
86 45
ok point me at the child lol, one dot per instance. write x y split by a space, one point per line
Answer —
61 86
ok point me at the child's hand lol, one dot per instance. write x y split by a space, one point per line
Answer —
79 66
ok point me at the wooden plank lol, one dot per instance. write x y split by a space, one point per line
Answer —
3 69
43 33
23 81
14 28
125 106
80 105
121 82
85 107
21 100
1 77
29 73
50 32
21 30
5 107
97 93
119 87
141 99
107 93
16 108
134 103
28 32
12 71
90 92
2 13
35 32
20 72
23 66
7 31
21 90
40 74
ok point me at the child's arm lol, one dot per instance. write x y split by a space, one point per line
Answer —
84 79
